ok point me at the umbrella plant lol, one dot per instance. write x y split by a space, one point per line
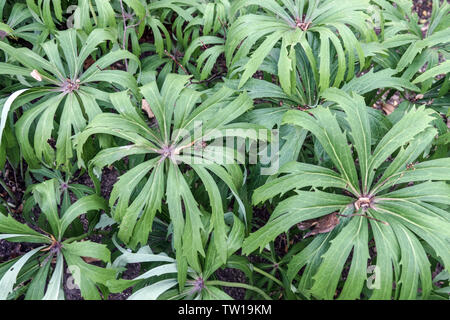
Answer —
59 96
44 264
185 124
396 203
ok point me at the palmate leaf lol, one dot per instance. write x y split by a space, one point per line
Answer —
303 206
47 196
62 101
353 235
296 23
358 120
36 290
375 80
400 134
197 286
191 19
69 251
85 15
139 194
326 129
85 275
9 278
298 175
17 21
54 286
15 231
310 256
414 264
387 263
443 68
208 57
413 50
405 224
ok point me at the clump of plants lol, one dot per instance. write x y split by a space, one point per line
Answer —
302 143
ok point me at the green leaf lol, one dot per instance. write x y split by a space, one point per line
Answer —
87 275
258 56
443 68
400 134
46 195
23 126
88 249
375 80
414 265
55 285
354 234
326 129
153 291
5 109
36 289
303 206
437 192
299 175
10 277
388 253
285 67
16 231
217 218
358 120
85 204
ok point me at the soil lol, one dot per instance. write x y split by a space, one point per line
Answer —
232 275
11 250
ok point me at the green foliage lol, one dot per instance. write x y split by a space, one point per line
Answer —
179 141
400 219
311 24
304 143
60 80
410 48
37 264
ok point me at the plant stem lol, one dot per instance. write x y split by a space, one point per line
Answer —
85 235
93 12
176 61
80 237
363 215
8 190
268 275
238 285
125 27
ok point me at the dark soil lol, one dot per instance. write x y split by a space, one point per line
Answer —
109 178
132 272
423 9
232 275
11 250
72 292
16 185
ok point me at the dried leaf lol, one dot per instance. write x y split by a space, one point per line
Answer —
321 225
146 108
88 62
90 260
388 108
36 75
